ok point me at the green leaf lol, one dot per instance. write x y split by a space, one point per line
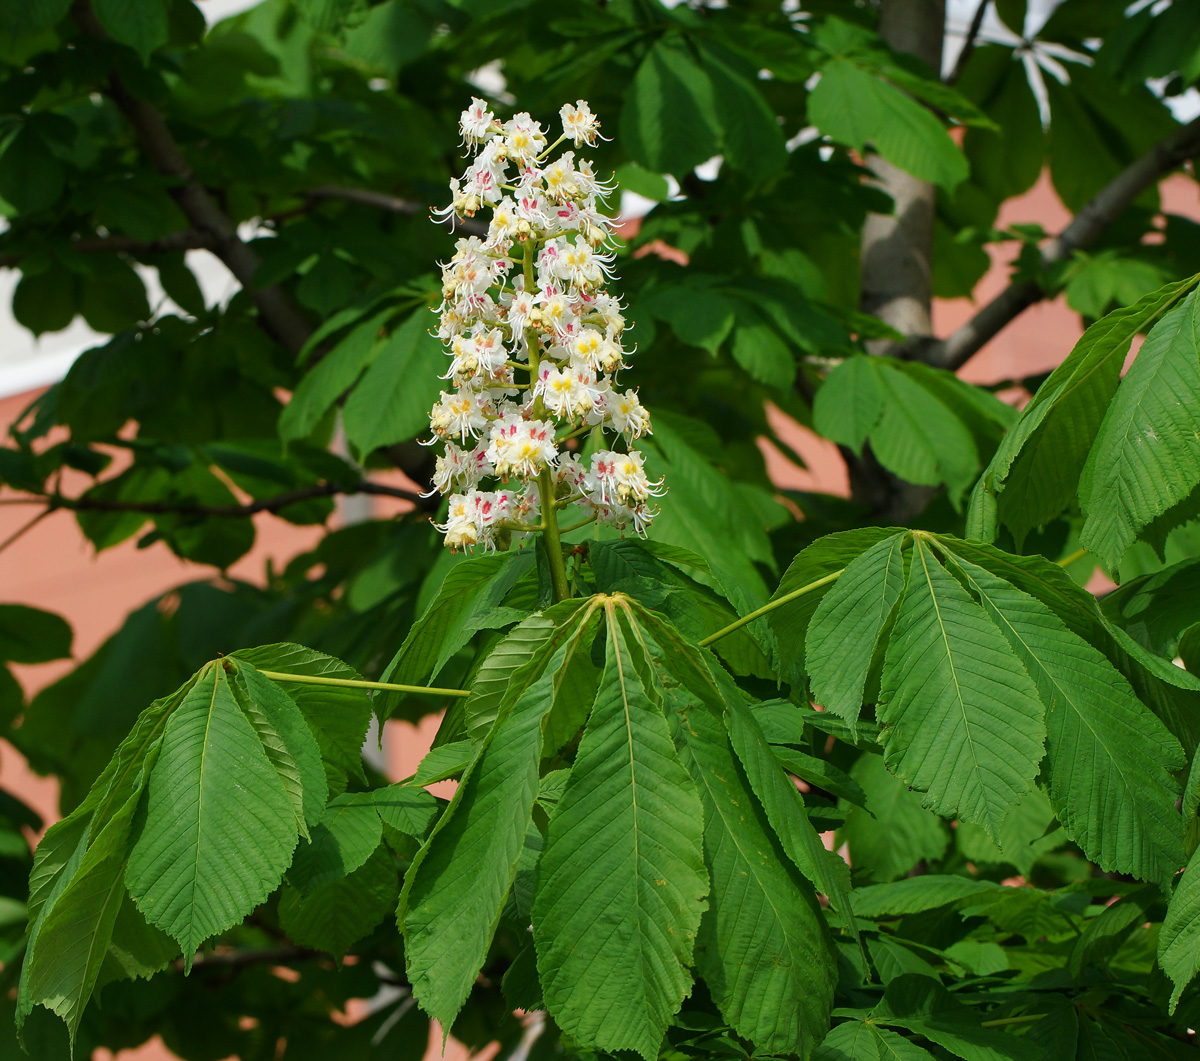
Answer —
762 947
853 106
142 24
1037 466
848 622
866 1041
849 403
114 298
902 832
299 762
219 828
469 601
825 557
345 837
920 439
750 136
340 912
30 635
915 894
669 122
1179 939
924 1007
333 375
34 16
623 848
758 348
1109 758
405 808
699 316
391 402
46 302
1144 458
961 719
74 937
338 716
455 893
444 761
784 807
495 673
1009 158
31 178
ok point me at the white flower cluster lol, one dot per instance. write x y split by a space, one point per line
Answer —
534 340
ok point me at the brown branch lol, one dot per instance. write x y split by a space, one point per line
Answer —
188 239
1083 231
968 42
378 200
280 314
266 504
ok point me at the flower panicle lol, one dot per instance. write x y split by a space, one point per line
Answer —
534 341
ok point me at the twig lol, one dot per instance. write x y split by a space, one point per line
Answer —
1083 230
188 239
266 504
378 200
968 42
21 531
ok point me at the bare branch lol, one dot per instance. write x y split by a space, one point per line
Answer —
281 315
1082 232
252 508
968 42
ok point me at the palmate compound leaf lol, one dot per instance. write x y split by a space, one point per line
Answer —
1146 457
455 890
1109 758
848 622
1036 468
762 949
961 718
621 882
219 829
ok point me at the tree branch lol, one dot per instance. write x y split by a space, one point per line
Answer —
252 508
1082 232
280 314
378 200
188 239
968 42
